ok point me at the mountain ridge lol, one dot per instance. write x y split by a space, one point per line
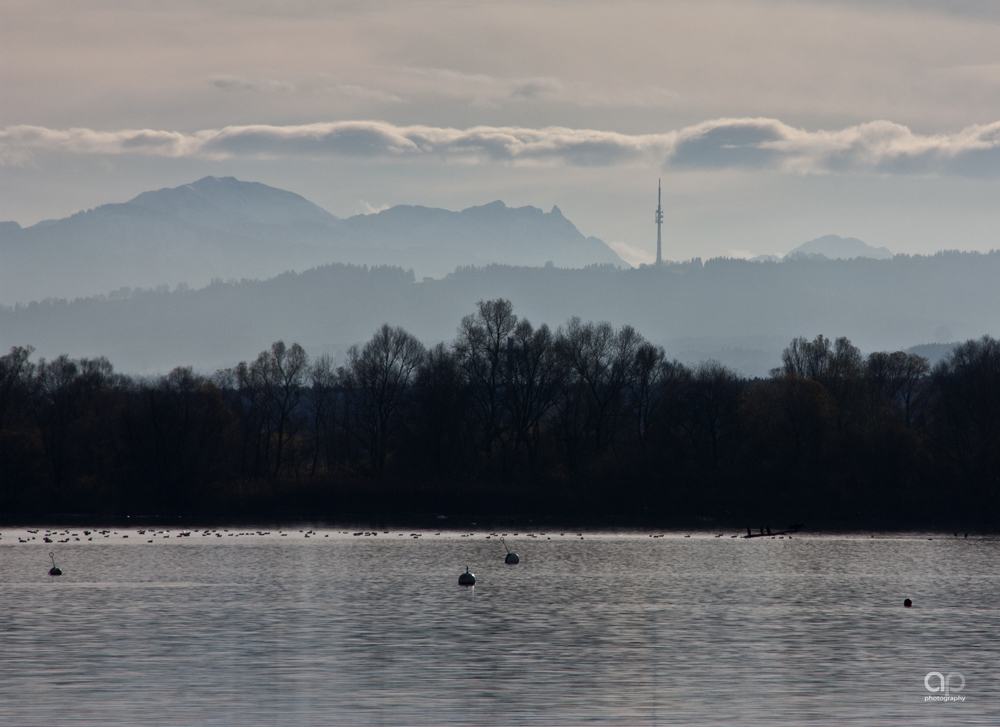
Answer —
221 227
834 247
830 247
257 202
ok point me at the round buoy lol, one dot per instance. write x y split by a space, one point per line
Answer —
511 558
467 579
54 570
907 603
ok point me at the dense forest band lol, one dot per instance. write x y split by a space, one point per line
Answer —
584 423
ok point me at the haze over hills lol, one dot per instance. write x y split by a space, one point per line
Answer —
736 311
229 229
831 247
739 312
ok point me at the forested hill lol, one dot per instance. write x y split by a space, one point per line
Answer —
720 308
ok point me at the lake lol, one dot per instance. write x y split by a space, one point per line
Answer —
314 626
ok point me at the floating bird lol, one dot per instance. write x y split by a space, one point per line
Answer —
467 578
511 558
54 570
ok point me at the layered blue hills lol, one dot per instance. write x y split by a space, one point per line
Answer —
230 229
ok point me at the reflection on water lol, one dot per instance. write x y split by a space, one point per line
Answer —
608 629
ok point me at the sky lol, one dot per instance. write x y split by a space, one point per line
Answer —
769 122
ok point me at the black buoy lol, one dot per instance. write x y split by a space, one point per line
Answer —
467 579
511 558
54 570
907 603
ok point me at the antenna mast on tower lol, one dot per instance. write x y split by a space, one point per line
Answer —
659 223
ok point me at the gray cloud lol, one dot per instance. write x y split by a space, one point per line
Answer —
478 89
482 90
364 93
536 88
240 83
877 147
729 143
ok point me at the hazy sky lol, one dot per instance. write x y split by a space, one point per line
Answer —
770 122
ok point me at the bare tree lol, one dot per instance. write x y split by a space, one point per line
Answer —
379 375
601 360
713 413
284 371
246 396
442 407
914 387
323 396
174 427
821 359
480 345
68 389
531 380
899 379
16 377
968 382
652 387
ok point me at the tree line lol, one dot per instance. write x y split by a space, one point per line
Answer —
585 423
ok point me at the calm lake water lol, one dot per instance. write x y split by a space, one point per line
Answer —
610 629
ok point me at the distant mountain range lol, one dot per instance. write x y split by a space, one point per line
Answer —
830 247
229 229
351 275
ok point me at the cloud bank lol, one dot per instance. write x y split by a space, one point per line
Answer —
351 138
878 147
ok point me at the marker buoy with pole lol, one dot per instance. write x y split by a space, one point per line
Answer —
54 570
511 558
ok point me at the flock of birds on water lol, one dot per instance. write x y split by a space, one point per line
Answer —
465 579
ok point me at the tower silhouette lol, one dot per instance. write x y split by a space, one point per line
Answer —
659 223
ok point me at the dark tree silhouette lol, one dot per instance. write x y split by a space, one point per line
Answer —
598 361
531 383
378 377
591 422
482 338
282 372
324 392
968 417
